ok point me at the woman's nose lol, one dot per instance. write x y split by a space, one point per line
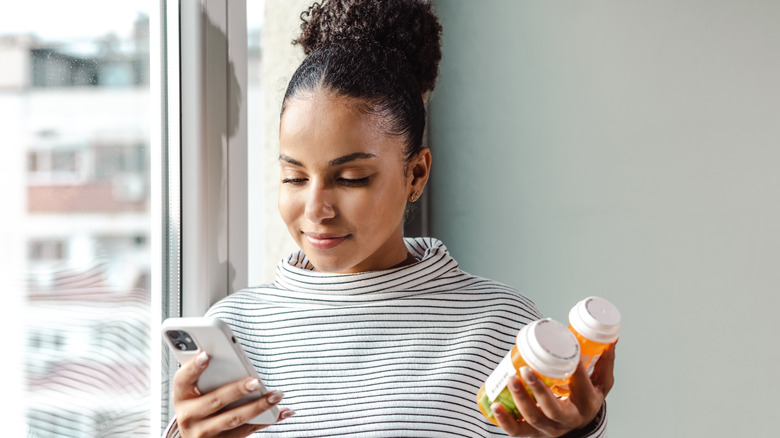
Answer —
319 205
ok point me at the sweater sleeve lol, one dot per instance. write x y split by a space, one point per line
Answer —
595 429
172 431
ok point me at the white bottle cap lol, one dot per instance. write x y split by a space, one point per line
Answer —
549 348
597 319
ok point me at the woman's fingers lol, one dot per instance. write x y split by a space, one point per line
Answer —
547 406
198 414
186 378
603 373
511 425
544 412
534 421
235 420
586 398
195 409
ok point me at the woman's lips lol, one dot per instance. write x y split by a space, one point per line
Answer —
324 241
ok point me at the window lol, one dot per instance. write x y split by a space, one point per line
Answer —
61 164
75 102
45 250
114 129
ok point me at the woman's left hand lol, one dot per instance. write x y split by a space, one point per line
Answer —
550 416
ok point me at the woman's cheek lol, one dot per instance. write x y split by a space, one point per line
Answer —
286 206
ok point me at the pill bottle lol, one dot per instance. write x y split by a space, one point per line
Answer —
596 324
548 348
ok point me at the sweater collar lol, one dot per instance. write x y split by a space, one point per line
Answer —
295 273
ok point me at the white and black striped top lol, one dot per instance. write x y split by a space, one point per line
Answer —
400 352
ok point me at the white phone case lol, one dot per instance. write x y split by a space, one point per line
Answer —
187 337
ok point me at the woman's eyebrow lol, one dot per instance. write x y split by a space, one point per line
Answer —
292 161
351 157
334 162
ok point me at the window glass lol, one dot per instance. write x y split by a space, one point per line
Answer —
75 104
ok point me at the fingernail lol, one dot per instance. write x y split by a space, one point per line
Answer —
287 414
252 385
514 384
275 397
528 375
201 359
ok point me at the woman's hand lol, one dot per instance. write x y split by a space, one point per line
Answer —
196 414
550 416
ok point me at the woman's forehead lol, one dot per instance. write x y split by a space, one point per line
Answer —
325 127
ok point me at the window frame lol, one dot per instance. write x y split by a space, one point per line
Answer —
198 169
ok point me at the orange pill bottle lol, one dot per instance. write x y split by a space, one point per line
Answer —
596 324
548 348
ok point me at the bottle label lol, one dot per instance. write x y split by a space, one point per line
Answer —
496 382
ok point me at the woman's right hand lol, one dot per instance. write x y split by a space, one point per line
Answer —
196 414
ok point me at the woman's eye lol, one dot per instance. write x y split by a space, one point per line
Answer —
353 182
294 181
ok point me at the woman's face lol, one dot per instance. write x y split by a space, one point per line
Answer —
343 186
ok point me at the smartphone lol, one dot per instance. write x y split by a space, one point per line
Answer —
187 337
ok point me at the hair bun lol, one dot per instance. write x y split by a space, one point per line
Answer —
408 28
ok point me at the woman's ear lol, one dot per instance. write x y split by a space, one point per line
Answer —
420 167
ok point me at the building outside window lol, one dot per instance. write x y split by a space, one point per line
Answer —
75 105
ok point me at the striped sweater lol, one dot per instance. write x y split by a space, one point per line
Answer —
400 352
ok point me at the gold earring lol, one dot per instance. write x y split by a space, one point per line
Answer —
414 196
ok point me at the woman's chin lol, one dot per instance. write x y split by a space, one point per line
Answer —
333 263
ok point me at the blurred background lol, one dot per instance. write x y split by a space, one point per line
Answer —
75 264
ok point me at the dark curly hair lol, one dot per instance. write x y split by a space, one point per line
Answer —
383 53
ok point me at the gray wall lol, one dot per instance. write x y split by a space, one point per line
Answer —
627 149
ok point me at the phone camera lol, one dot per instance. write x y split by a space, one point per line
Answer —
181 340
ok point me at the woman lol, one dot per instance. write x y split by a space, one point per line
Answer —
368 333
